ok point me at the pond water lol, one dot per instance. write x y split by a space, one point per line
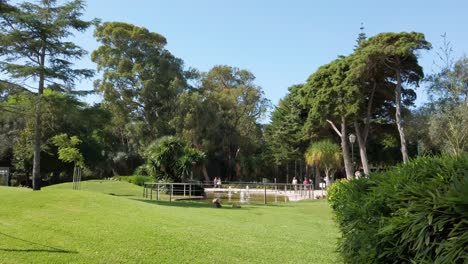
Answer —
254 198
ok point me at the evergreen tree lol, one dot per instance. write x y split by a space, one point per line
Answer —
34 46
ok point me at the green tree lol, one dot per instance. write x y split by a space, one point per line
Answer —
326 155
238 105
396 53
170 157
67 149
285 136
448 128
34 45
140 82
332 97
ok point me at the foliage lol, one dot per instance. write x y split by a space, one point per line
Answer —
34 45
395 54
140 81
67 149
448 128
326 155
170 157
135 179
285 135
414 213
451 82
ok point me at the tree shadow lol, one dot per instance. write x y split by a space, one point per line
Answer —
39 250
49 249
192 204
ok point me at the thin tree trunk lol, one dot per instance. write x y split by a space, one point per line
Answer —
36 177
404 150
344 146
362 137
345 149
362 148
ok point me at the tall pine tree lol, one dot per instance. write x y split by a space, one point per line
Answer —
36 53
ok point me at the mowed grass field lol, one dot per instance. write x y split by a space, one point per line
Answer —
109 222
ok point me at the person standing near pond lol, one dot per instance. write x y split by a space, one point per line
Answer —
219 182
215 182
294 183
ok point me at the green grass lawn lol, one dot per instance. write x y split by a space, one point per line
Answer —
59 225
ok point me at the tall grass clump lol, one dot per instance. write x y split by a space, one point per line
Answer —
414 213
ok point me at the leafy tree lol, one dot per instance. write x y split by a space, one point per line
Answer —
239 105
140 81
450 83
67 149
396 53
170 157
285 136
326 155
34 45
448 128
221 118
332 97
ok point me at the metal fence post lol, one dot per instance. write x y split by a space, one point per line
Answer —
157 193
171 193
190 190
265 196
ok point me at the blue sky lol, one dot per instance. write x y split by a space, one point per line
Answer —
281 42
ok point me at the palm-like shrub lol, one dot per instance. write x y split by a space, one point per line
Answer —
326 155
170 157
414 213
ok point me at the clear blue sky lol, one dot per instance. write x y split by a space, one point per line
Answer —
281 42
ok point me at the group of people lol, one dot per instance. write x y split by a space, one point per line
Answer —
217 182
305 182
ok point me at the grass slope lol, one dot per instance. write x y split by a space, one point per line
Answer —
59 225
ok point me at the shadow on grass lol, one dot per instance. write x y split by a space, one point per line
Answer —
205 204
39 250
49 249
121 195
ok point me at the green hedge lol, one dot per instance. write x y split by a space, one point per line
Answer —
414 213
135 179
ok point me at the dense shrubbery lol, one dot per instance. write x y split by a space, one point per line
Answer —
414 213
135 179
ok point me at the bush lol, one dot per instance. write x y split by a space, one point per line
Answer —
414 213
135 179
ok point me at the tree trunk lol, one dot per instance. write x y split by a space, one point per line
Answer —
205 174
404 150
317 177
345 149
344 146
36 175
362 148
362 137
327 177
